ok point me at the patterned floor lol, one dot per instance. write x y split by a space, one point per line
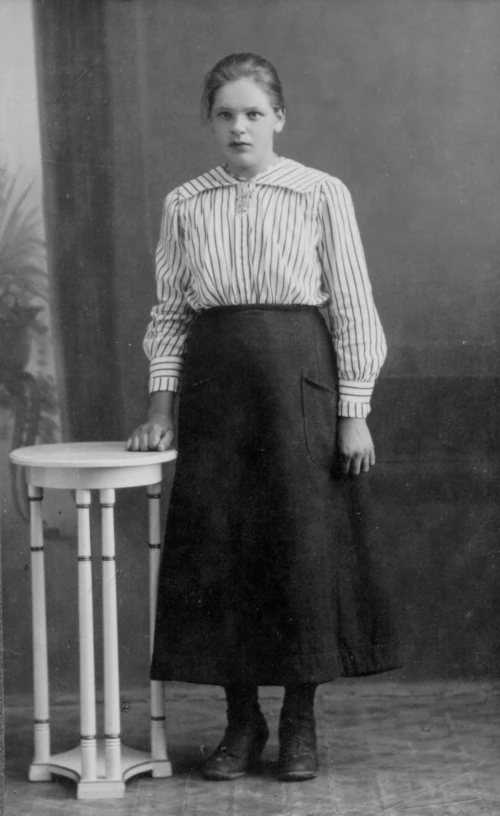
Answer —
387 749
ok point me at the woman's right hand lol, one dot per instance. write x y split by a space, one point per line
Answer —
155 434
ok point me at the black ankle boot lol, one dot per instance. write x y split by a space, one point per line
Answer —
244 739
298 756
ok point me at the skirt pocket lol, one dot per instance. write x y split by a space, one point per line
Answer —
319 409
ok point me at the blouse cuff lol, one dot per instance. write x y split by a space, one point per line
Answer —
354 398
164 384
165 374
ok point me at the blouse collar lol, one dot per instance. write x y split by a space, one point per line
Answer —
283 173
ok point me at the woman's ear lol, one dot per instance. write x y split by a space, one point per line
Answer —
280 120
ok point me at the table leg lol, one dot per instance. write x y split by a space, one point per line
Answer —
40 656
110 630
162 767
86 625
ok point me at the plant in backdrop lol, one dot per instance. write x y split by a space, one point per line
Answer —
31 398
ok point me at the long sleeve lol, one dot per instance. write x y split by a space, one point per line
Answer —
170 318
359 339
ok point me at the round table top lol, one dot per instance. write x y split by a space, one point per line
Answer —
88 455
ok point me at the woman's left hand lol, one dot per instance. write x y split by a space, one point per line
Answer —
355 445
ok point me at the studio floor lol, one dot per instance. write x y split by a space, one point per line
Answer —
391 748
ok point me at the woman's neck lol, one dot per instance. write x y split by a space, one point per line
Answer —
247 174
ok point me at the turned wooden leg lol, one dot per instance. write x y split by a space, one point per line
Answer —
157 698
40 656
110 630
88 735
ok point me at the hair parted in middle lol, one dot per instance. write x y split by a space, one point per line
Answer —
242 66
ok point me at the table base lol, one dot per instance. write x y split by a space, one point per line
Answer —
69 764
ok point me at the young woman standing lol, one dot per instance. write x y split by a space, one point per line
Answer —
264 580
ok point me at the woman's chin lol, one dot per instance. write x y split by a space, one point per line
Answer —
240 161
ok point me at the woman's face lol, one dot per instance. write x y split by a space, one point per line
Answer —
244 123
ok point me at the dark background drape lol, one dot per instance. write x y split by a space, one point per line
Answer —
399 99
76 111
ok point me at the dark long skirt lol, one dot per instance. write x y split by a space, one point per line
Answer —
269 572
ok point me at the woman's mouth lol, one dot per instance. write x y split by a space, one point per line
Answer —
239 145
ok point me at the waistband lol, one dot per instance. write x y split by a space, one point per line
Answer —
251 307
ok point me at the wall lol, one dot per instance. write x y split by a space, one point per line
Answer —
401 101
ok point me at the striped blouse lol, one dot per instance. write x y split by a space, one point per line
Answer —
286 236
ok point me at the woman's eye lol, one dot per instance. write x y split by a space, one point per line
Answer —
254 114
224 115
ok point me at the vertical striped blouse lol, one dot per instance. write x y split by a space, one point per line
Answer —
286 236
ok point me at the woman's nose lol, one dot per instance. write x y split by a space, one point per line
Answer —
238 126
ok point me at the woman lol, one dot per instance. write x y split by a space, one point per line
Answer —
264 580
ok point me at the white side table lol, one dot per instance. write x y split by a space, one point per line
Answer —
99 766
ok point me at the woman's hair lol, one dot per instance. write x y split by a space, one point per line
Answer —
242 66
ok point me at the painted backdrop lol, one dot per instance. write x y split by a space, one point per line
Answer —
401 101
31 378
